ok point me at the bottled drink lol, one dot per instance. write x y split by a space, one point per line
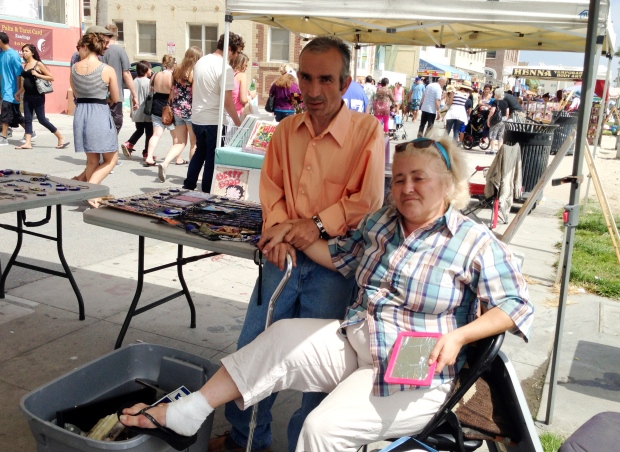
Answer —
252 86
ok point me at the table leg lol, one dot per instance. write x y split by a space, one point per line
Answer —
192 309
65 266
20 236
136 297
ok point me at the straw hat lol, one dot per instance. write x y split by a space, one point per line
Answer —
466 84
450 88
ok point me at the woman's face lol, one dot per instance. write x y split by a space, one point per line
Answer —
486 91
27 54
419 189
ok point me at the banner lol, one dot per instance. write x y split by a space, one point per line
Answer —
547 73
20 34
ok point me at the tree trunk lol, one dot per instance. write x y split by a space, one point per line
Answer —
102 13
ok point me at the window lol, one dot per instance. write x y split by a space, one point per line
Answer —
278 44
362 59
147 42
121 30
492 54
204 37
86 6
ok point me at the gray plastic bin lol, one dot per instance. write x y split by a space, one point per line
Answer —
566 122
535 141
108 376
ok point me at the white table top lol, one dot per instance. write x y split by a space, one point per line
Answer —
33 201
141 225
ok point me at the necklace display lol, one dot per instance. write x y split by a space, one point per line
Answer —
38 184
210 216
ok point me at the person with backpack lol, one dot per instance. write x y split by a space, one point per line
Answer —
497 115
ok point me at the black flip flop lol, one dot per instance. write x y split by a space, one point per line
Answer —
64 145
150 164
174 440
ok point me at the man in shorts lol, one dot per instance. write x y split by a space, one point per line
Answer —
10 70
415 97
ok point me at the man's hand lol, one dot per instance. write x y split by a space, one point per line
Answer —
135 103
158 412
303 234
446 350
277 255
272 236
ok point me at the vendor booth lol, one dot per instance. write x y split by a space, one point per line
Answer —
441 70
563 25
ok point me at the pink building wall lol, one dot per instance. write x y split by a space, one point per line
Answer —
57 55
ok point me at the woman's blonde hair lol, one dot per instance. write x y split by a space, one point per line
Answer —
167 61
458 195
183 71
285 81
239 61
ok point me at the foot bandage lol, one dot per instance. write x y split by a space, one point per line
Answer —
186 415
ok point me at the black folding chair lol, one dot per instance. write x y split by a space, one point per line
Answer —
443 432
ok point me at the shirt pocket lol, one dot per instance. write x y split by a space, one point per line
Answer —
430 289
331 192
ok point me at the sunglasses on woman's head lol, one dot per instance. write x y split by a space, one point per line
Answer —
421 143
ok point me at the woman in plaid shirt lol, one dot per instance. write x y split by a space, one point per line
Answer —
421 266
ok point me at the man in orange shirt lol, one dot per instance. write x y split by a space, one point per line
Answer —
324 170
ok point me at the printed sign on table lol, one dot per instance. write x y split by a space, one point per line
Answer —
231 183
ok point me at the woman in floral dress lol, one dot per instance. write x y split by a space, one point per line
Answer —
182 79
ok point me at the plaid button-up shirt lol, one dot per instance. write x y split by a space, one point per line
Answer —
430 281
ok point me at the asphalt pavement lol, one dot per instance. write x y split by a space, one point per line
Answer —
41 337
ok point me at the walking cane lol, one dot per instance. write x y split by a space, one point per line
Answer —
268 322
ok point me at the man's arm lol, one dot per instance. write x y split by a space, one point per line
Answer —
271 184
128 79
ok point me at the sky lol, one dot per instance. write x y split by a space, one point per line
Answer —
576 59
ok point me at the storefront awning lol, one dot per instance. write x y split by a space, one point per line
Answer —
441 70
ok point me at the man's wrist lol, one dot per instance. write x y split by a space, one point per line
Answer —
319 224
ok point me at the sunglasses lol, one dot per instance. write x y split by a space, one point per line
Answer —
421 143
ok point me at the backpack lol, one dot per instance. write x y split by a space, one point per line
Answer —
497 116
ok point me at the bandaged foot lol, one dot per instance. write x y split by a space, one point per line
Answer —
186 415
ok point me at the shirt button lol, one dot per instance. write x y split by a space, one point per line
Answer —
303 192
313 144
308 168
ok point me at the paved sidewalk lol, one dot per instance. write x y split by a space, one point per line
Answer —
41 337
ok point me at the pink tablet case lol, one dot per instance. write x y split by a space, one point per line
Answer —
390 378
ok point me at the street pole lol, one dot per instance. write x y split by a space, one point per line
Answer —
589 75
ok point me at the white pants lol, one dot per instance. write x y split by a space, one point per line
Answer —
309 355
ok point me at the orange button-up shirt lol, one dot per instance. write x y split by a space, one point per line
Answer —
338 174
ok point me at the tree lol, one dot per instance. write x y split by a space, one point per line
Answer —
102 13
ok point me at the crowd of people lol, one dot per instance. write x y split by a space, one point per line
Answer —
363 271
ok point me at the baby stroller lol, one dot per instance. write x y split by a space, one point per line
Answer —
474 132
395 127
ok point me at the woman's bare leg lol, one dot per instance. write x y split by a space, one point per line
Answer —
192 142
157 133
103 169
179 139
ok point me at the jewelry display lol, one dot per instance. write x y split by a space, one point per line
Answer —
37 184
212 217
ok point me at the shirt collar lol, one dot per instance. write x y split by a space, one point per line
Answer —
338 128
450 219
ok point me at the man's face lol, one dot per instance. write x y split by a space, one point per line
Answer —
319 83
233 53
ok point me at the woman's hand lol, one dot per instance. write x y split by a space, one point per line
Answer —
446 350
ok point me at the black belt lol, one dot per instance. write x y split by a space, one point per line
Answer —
89 100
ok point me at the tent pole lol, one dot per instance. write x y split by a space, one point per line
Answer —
220 118
599 128
589 75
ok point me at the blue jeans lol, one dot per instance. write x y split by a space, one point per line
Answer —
281 114
453 126
206 140
312 292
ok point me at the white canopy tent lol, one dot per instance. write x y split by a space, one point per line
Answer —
469 25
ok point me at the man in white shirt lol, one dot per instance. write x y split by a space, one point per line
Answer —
431 100
370 91
205 109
